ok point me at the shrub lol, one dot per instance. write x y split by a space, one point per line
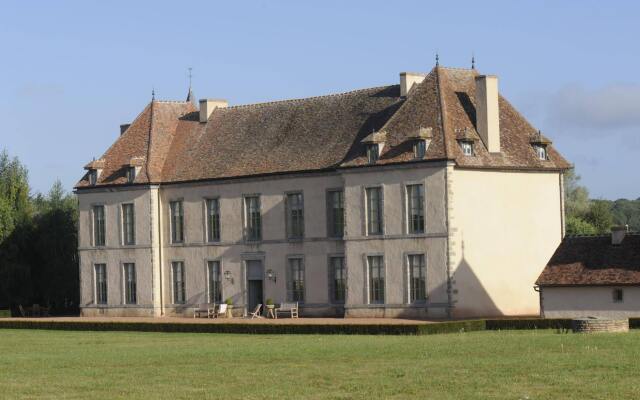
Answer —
528 323
229 301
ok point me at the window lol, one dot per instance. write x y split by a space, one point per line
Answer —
295 216
335 213
128 225
177 222
131 174
101 283
467 148
295 281
618 295
376 279
417 280
93 177
177 272
415 208
541 151
374 211
252 218
98 226
130 288
373 152
213 220
419 149
215 286
337 279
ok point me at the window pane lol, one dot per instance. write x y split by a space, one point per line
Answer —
215 287
101 283
335 213
374 211
177 222
417 278
213 220
419 149
415 208
338 279
372 153
98 226
296 280
130 286
295 216
253 223
178 282
128 224
376 279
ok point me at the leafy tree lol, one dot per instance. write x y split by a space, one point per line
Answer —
578 226
576 197
599 215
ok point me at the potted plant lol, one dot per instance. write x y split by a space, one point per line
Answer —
269 303
229 303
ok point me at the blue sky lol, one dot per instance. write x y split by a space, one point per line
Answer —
72 72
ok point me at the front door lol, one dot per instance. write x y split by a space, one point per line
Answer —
255 276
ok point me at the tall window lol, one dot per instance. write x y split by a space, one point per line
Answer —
131 174
177 222
374 211
295 282
376 279
101 283
337 279
541 151
177 272
335 213
417 279
130 285
373 152
419 149
415 208
98 226
128 225
213 220
93 177
215 286
295 216
252 218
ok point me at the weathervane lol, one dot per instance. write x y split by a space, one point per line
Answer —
190 76
473 61
437 59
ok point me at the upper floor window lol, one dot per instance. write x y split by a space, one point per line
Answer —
375 213
131 174
335 213
177 222
618 295
419 148
467 148
101 283
98 226
295 215
177 274
128 225
373 153
541 151
295 280
130 286
337 279
213 220
215 284
93 176
252 218
417 278
415 208
376 279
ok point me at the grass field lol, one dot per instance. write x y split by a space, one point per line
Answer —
505 365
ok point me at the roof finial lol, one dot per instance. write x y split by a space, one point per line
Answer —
190 77
153 94
437 59
190 97
473 61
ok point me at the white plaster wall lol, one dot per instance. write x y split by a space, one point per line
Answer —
589 301
505 227
396 243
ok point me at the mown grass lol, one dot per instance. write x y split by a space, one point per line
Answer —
497 364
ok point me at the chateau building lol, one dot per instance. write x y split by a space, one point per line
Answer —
429 198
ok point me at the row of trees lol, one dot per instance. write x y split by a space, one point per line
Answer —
38 242
585 216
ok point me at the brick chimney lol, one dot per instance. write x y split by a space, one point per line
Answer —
208 105
407 80
487 113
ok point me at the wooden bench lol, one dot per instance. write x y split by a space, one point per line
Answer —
291 308
203 310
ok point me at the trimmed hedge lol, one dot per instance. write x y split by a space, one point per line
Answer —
5 313
528 323
345 329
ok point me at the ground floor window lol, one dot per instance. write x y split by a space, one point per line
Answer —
376 279
337 279
177 272
130 286
295 280
215 287
101 283
618 295
417 278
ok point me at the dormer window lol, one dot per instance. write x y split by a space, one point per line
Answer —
373 152
419 149
93 177
421 139
541 151
466 139
131 174
467 148
540 144
94 168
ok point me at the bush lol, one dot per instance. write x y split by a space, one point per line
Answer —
5 313
527 323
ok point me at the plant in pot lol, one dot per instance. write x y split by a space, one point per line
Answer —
269 303
229 303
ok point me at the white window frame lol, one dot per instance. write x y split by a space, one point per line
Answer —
124 225
173 282
93 225
289 277
331 222
368 278
373 153
331 278
124 282
246 218
407 207
220 278
541 152
207 222
172 224
288 218
467 147
95 284
408 285
366 210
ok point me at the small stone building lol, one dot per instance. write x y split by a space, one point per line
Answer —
593 276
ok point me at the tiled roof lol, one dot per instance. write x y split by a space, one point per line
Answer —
317 133
593 260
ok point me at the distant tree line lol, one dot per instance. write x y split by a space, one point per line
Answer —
38 243
585 216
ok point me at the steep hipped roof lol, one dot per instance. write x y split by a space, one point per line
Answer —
593 260
318 133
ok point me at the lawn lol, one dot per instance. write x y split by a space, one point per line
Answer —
506 365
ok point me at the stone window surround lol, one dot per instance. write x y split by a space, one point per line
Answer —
365 262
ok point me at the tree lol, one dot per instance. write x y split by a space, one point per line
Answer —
599 215
576 197
578 226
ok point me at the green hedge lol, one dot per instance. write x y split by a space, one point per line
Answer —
5 313
528 323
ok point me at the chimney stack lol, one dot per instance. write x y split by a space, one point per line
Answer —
617 235
208 105
487 114
407 80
